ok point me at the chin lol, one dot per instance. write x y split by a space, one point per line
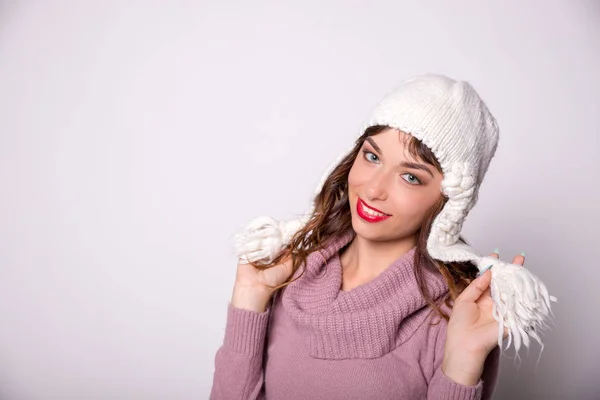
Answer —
373 232
380 233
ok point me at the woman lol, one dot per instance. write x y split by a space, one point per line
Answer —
375 295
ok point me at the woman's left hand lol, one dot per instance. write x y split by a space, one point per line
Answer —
472 331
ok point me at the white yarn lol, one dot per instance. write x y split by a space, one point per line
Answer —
521 302
263 238
451 119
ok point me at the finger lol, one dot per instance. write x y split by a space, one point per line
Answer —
520 259
485 301
288 265
285 264
486 293
243 260
476 288
495 254
284 269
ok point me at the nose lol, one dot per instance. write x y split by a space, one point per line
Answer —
376 187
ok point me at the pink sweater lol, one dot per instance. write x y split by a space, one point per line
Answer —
318 342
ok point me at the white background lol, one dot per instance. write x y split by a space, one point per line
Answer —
137 137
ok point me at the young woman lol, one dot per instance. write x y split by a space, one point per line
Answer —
375 295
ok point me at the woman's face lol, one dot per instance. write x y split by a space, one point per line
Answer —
385 177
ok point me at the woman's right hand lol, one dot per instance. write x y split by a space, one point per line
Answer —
254 287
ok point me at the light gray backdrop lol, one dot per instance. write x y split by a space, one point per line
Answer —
136 137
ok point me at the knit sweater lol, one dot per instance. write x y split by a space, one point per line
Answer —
379 340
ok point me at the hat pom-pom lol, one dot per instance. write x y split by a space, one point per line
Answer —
521 302
264 237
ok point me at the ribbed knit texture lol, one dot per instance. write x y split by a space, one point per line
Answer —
361 323
376 341
249 340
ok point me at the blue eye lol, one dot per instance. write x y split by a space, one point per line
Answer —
410 178
370 159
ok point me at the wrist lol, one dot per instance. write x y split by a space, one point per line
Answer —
465 369
250 298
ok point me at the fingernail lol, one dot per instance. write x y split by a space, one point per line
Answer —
483 270
496 251
523 253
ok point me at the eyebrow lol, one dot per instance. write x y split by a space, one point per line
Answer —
406 164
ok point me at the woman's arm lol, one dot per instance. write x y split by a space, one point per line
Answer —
471 348
239 361
442 386
239 372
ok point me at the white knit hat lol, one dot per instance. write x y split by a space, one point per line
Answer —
451 119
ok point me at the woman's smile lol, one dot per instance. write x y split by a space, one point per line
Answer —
368 213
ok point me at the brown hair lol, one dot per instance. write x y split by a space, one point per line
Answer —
331 217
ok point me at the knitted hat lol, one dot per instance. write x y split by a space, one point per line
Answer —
451 119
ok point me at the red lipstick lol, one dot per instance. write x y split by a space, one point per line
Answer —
360 209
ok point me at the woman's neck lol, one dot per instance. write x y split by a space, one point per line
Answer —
362 260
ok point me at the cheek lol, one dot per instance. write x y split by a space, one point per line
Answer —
415 204
357 176
430 196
